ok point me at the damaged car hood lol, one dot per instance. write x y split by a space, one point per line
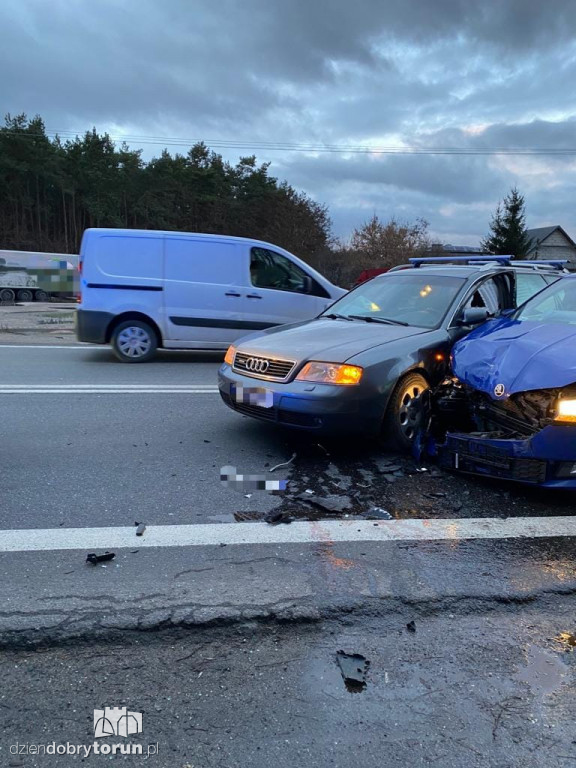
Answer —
324 339
506 356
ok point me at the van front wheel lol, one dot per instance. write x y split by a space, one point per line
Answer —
134 341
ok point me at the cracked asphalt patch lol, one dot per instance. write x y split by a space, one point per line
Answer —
57 598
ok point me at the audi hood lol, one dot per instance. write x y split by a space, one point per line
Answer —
507 356
334 341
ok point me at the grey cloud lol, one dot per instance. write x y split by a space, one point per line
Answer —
446 178
317 71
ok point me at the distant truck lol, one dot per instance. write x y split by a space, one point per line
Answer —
35 276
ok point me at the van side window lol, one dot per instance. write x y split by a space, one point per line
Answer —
272 270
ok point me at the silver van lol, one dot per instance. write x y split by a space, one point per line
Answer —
144 289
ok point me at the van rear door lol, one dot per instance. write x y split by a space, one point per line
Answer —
201 292
122 271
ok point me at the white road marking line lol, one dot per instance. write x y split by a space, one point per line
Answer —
108 386
37 540
51 346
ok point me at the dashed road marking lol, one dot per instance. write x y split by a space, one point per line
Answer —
112 538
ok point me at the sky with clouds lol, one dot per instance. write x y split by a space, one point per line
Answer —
425 74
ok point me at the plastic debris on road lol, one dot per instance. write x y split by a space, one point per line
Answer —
95 559
353 667
284 463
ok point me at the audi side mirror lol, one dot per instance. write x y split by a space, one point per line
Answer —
474 316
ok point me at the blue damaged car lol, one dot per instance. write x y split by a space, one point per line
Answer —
510 411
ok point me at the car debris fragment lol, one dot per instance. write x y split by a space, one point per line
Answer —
353 667
243 516
376 513
94 559
284 463
140 528
411 626
276 516
332 504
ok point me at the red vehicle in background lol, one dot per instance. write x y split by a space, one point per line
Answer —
368 274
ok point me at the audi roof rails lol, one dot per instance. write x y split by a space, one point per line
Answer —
488 259
556 263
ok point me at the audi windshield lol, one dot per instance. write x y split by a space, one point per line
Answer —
416 299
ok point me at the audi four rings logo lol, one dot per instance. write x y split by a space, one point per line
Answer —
256 365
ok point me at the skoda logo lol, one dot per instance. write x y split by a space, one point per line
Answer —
257 365
499 390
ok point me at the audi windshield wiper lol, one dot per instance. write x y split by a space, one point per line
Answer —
372 319
334 316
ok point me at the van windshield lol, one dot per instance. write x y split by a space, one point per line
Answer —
421 300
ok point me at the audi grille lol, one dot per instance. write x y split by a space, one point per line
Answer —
263 367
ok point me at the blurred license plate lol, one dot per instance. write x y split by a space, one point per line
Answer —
259 396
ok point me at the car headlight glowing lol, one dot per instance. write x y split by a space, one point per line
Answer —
566 410
330 373
229 356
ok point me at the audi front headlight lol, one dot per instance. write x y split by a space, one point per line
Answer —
330 373
229 357
566 409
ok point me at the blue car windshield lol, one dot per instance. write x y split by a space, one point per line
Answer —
556 304
407 298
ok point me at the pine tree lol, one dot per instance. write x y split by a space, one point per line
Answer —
509 235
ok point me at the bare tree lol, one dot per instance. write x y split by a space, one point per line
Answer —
390 244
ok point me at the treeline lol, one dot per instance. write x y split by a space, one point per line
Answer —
51 190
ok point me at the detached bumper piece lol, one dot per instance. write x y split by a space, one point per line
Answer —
476 456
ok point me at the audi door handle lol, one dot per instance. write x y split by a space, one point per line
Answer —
231 293
253 296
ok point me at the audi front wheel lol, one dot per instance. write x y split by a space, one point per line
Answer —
406 412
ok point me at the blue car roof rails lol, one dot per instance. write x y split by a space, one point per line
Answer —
488 259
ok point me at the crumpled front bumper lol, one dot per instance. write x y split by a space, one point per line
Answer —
547 459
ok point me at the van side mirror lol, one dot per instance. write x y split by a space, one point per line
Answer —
307 284
473 316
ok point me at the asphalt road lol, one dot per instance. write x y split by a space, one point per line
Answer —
476 691
91 446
